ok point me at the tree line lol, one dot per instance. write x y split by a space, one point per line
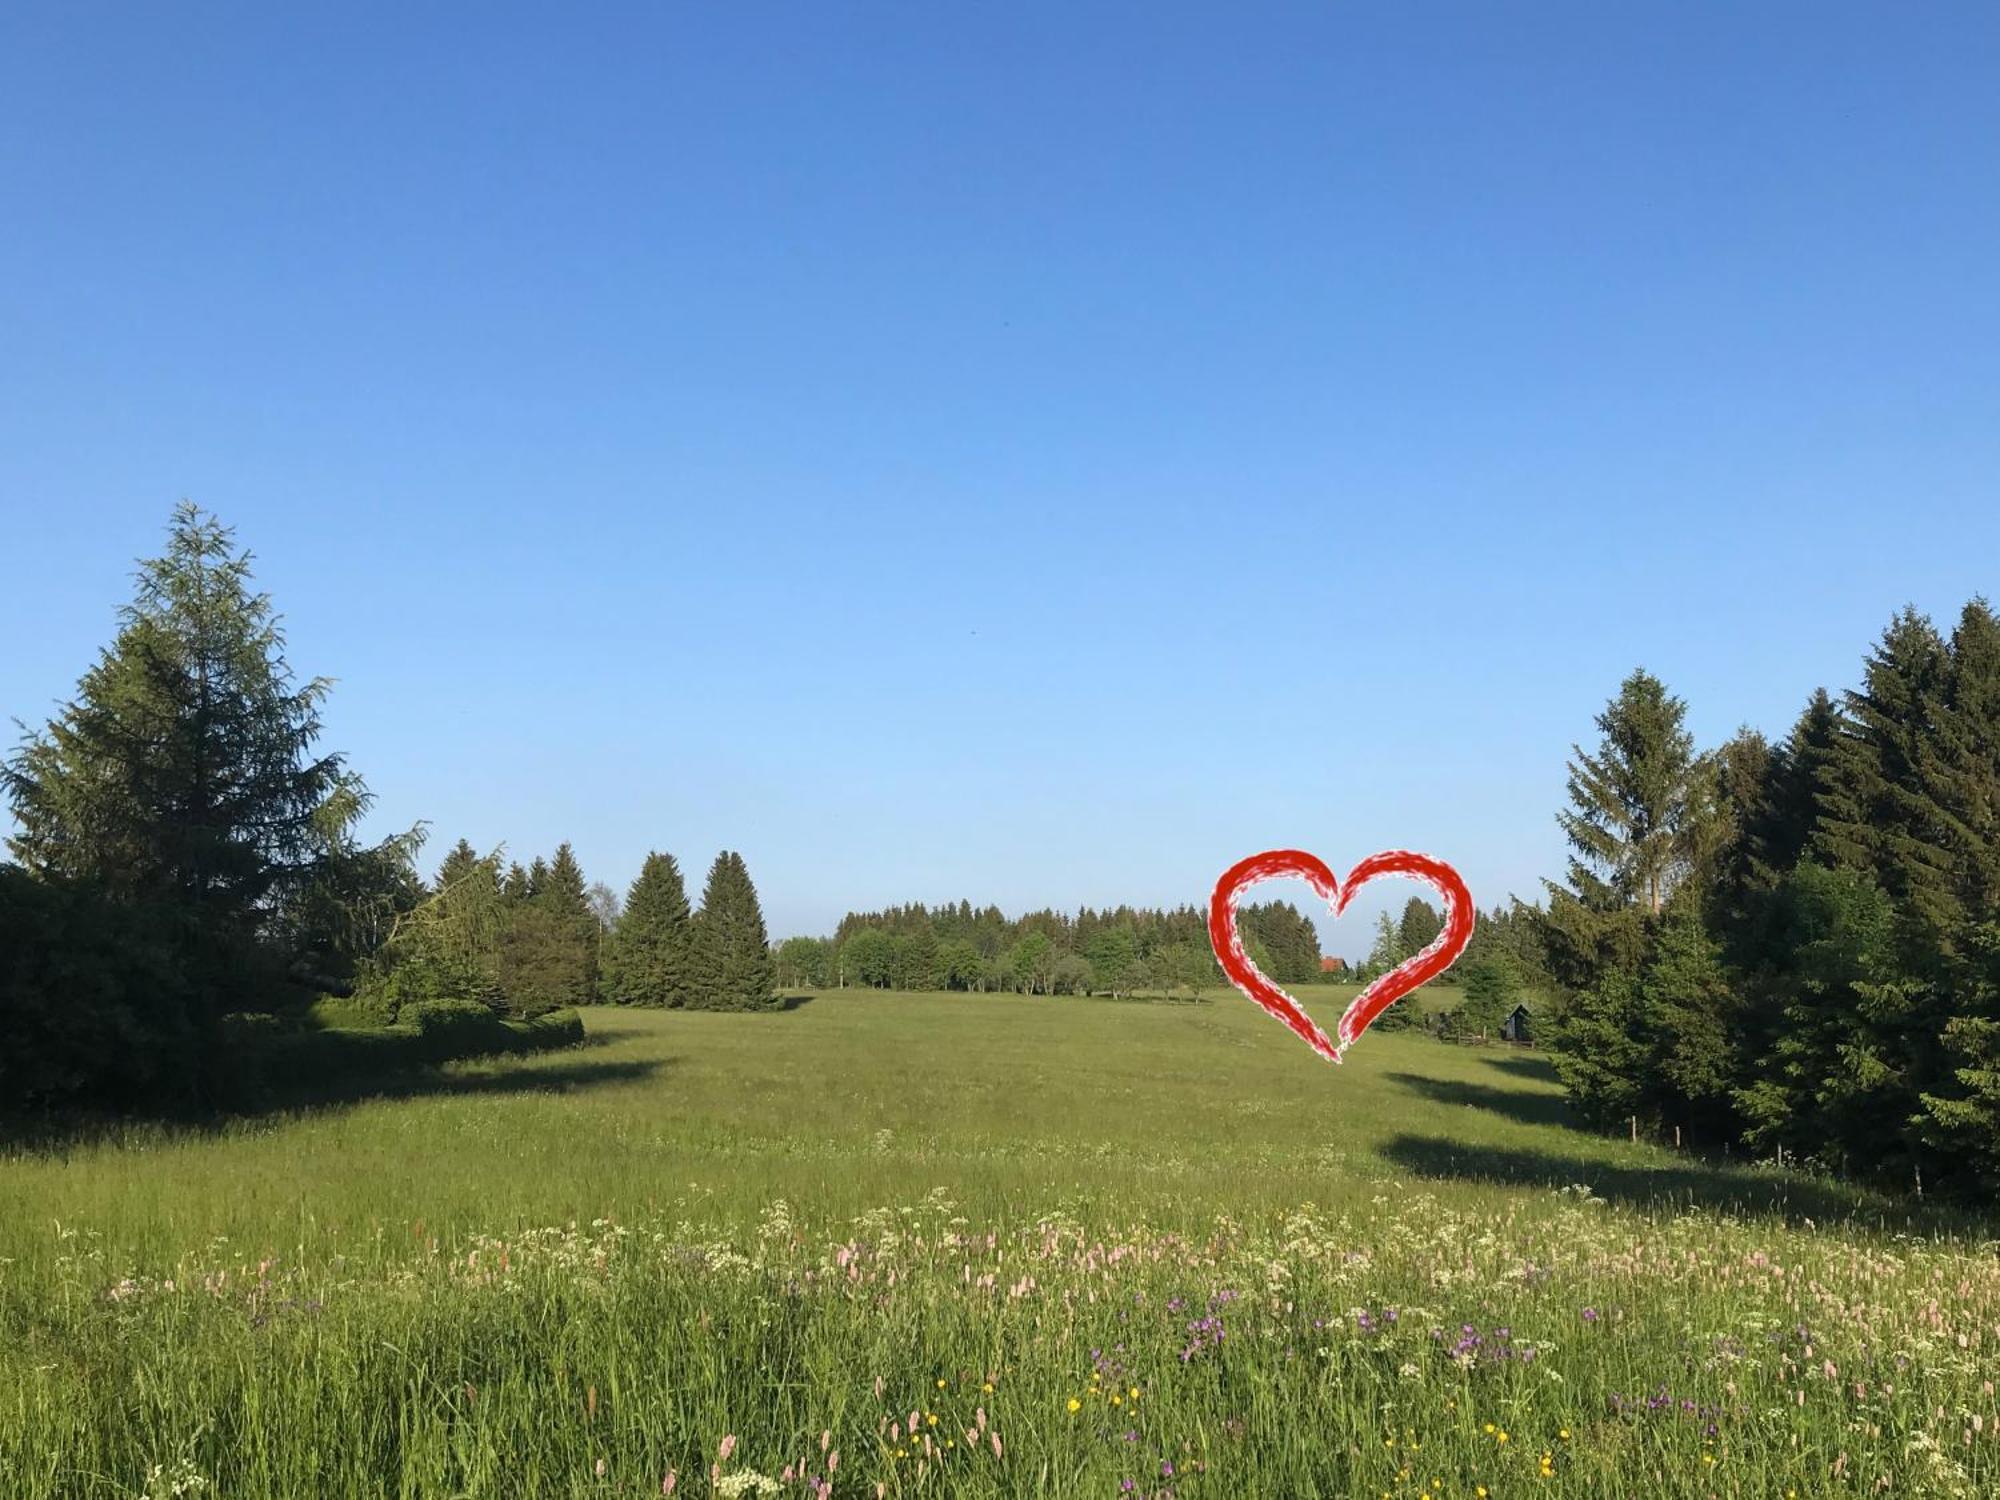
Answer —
529 940
1795 947
1121 951
961 947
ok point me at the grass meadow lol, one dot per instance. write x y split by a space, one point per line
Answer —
958 1245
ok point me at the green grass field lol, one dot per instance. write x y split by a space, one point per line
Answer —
1094 1247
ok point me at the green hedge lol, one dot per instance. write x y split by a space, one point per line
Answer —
276 1065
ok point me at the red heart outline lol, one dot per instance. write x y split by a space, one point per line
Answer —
1411 973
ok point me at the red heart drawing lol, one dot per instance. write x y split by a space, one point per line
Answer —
1412 972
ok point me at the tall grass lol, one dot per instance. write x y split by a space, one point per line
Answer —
589 1273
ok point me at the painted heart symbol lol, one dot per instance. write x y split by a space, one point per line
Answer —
1421 969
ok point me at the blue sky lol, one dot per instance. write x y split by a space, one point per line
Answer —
1037 453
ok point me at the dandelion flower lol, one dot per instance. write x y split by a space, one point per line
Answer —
1074 1404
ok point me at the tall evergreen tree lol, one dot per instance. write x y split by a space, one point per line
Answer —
1633 825
1784 828
184 776
460 863
1958 766
1876 812
565 896
730 953
183 773
647 959
1419 926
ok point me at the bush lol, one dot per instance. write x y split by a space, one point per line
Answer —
423 978
559 1028
450 1029
359 1012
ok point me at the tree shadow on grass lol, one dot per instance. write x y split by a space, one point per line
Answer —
1531 1066
472 1077
1528 1108
1676 1185
58 1134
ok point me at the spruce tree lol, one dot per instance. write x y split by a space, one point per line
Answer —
1419 926
731 966
1688 1019
548 957
1958 766
565 896
1783 829
462 862
183 772
1830 1088
1634 824
1877 813
184 777
646 959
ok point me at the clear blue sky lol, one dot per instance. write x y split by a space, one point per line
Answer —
899 441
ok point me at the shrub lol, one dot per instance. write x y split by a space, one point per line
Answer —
358 1012
559 1028
424 977
450 1029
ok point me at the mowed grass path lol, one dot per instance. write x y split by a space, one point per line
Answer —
580 1273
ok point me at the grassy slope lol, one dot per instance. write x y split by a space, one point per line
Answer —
1430 1167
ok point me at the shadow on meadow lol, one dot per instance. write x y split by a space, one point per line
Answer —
1529 1109
1529 1066
1677 1185
484 1078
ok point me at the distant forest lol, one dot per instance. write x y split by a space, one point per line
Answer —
1137 950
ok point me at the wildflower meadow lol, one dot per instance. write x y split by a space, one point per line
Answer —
898 1245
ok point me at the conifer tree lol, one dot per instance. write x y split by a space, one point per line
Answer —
1634 824
565 896
1876 812
183 773
461 862
1784 827
731 966
1388 950
184 777
1420 925
646 961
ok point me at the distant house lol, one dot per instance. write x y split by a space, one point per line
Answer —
1515 1027
1333 966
